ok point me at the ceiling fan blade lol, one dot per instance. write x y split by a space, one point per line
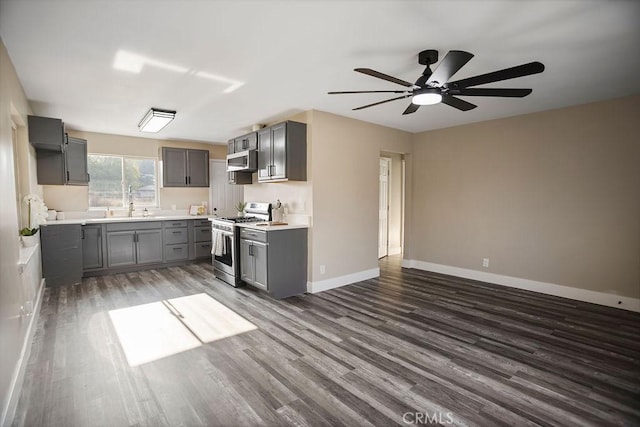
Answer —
457 103
496 76
382 102
368 91
374 73
412 108
507 93
452 62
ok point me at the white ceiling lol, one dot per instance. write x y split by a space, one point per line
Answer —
225 65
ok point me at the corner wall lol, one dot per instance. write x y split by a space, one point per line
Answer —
15 291
552 197
345 170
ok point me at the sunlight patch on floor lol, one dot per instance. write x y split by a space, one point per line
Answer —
152 331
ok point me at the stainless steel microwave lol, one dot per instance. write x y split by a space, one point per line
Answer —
242 161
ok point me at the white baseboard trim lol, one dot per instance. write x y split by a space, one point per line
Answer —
395 250
336 282
610 300
18 376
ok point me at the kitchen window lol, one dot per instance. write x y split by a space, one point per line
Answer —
111 177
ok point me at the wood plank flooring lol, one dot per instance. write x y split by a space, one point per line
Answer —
409 347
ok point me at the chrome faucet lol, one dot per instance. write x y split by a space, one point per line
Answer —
131 209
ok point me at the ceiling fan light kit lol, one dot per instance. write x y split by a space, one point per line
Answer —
433 87
427 97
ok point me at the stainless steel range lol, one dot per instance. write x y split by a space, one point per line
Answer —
226 241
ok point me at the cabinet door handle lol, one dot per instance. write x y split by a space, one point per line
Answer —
177 232
88 177
83 234
186 180
250 250
177 249
67 175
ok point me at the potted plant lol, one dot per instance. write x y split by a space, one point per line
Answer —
240 208
36 214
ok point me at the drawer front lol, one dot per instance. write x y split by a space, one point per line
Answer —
202 223
176 252
133 226
174 224
202 250
174 236
202 234
249 234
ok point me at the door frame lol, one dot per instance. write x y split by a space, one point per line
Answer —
389 162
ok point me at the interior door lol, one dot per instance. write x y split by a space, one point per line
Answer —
383 208
222 195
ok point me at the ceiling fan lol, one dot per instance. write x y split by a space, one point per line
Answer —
433 87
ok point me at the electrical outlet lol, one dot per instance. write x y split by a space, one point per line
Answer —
485 262
322 269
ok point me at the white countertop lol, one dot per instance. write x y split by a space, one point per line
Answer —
83 221
255 226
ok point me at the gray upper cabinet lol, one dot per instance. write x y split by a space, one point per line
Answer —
174 167
76 161
198 168
242 143
60 159
184 167
282 152
46 133
92 247
68 166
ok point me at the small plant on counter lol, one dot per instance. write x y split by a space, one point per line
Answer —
240 206
37 214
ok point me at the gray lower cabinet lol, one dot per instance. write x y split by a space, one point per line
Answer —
176 241
201 239
61 254
134 243
92 247
253 263
149 246
275 261
121 248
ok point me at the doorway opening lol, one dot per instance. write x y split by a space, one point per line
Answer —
391 204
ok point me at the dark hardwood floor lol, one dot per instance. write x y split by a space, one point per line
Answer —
409 347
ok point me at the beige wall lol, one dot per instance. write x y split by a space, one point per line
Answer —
551 196
345 170
75 198
13 291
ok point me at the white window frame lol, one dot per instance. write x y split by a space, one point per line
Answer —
124 206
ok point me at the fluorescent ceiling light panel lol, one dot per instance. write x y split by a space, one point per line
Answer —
156 119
